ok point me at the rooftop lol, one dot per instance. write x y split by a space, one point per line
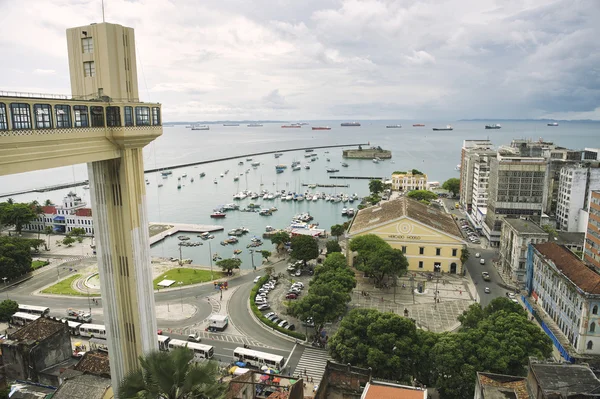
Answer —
389 211
385 390
499 386
94 362
567 379
570 238
86 386
84 212
38 330
525 226
571 266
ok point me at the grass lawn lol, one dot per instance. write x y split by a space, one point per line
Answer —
63 287
187 276
36 264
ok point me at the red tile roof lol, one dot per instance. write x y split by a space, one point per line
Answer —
50 209
84 212
391 392
571 266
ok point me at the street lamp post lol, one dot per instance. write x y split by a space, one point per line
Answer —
88 295
180 294
211 260
252 257
5 286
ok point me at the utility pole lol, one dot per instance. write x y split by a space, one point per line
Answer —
252 257
88 295
412 287
180 257
210 259
5 286
180 283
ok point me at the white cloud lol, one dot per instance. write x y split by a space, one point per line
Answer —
284 59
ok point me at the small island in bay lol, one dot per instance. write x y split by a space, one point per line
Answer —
367 153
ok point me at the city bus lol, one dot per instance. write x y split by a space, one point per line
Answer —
73 327
92 330
257 359
20 318
31 309
201 351
163 342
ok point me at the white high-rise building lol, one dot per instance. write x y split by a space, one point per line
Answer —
574 188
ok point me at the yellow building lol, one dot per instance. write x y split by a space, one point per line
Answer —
407 181
429 238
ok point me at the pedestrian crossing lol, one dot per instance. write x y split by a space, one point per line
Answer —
312 364
233 338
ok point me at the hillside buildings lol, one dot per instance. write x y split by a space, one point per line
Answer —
429 238
515 237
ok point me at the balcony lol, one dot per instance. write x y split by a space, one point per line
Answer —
46 131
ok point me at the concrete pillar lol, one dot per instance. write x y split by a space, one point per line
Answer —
118 196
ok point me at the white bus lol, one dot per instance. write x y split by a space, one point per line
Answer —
92 330
201 351
31 309
20 318
163 342
256 358
73 327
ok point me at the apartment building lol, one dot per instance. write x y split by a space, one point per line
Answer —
470 152
568 292
515 237
516 189
591 252
574 187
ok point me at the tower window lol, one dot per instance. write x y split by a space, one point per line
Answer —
81 116
97 116
89 69
87 45
43 118
142 116
3 119
113 116
21 115
128 116
63 116
156 116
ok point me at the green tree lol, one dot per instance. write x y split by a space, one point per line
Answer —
48 202
452 185
367 243
334 260
229 264
550 230
266 254
386 342
77 232
18 215
280 239
399 172
333 246
15 256
421 195
8 308
383 263
173 375
464 255
471 317
36 243
375 187
68 241
342 280
324 304
304 248
48 231
417 172
337 230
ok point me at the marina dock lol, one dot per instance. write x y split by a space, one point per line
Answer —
325 185
164 230
357 177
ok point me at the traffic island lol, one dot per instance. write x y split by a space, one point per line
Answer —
67 287
182 276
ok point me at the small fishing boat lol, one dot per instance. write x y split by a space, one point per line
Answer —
218 215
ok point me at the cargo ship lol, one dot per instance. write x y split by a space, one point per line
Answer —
291 126
254 125
553 124
231 124
448 127
321 128
351 124
418 125
393 126
493 126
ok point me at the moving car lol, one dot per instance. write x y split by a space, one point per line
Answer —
486 276
256 279
487 290
477 255
482 261
194 337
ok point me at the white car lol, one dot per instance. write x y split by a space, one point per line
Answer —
256 279
482 261
487 290
477 255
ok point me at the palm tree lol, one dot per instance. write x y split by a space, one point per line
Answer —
48 231
48 202
172 375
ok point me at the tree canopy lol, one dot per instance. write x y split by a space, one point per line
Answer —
18 214
377 258
452 185
498 339
337 230
375 187
304 248
280 238
421 195
173 375
333 246
15 256
417 172
8 308
229 264
265 254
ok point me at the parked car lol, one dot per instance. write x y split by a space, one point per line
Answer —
269 314
309 322
477 255
264 306
283 323
510 295
298 273
291 295
276 320
272 317
299 283
482 261
256 279
290 327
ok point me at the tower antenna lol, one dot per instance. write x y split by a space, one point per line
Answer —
103 11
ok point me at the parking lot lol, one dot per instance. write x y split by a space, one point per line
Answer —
469 232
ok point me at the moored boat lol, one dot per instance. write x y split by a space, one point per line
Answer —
321 128
350 124
553 124
200 127
418 125
493 126
393 126
218 215
254 125
291 126
448 127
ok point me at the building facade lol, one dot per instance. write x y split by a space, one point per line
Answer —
515 237
591 253
469 152
72 213
428 237
516 189
407 181
568 292
573 195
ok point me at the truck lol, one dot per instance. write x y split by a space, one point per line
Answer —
78 315
217 322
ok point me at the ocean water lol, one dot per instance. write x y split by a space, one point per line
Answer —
434 153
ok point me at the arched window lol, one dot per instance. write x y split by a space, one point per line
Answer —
590 345
595 309
593 327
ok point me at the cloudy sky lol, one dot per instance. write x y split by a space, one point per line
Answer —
330 59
